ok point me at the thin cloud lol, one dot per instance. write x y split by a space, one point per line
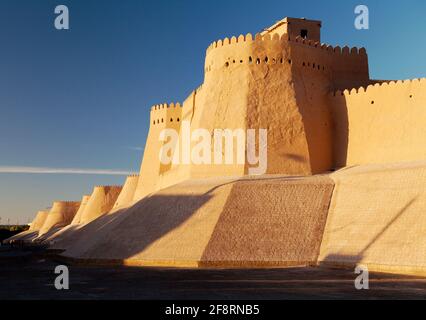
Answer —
42 170
135 148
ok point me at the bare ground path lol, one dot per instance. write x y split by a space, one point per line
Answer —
30 275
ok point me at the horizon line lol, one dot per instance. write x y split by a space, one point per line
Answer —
49 170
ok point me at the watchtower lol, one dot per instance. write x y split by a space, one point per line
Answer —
304 28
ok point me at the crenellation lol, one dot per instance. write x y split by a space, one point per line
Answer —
372 88
60 202
320 111
165 113
267 41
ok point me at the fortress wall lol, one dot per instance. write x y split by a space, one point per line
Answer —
101 202
317 69
221 102
171 227
380 124
261 83
377 218
213 222
272 105
39 220
33 231
58 233
25 236
127 193
347 67
61 215
162 117
260 89
77 217
180 171
259 228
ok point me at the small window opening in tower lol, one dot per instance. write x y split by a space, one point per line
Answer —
304 33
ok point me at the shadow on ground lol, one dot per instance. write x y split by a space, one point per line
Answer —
30 275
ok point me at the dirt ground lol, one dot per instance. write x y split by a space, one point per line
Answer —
30 275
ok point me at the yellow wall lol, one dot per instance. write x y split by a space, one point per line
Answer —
61 215
162 116
127 193
101 202
265 82
39 220
380 124
376 218
80 211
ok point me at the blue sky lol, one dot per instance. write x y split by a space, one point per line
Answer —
80 98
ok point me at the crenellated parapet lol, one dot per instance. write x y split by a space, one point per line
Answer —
239 50
66 203
108 187
267 38
379 123
60 215
166 113
329 48
163 106
101 202
382 87
265 49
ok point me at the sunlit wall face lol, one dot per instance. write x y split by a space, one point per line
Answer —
80 98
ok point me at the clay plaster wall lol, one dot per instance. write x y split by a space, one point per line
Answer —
39 220
33 231
269 82
377 218
77 217
213 222
380 124
101 202
127 193
61 215
316 70
162 116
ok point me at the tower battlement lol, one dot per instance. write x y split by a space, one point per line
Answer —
294 27
320 111
281 79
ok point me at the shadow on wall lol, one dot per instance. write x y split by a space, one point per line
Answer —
340 134
294 157
351 260
130 231
223 223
